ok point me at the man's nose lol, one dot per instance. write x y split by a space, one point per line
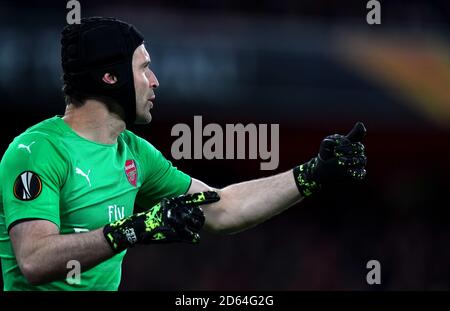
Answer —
154 83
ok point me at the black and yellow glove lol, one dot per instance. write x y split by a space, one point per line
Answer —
177 219
340 158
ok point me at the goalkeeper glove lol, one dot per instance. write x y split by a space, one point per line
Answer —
340 158
177 219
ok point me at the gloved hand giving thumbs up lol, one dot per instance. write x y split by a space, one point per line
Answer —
340 157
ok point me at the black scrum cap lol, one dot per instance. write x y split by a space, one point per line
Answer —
97 46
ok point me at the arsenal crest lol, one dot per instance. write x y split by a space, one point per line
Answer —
131 172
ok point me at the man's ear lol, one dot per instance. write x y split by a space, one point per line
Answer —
109 78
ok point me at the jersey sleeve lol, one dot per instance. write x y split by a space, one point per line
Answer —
161 178
33 171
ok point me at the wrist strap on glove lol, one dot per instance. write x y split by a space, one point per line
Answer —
304 178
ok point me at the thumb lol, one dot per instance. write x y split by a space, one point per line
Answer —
357 133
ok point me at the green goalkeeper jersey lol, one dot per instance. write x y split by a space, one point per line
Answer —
51 173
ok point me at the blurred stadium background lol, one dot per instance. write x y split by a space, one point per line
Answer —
314 67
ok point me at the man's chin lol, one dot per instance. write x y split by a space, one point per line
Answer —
143 119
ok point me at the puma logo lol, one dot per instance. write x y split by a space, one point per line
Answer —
22 146
80 172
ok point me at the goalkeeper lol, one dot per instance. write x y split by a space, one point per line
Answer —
82 187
